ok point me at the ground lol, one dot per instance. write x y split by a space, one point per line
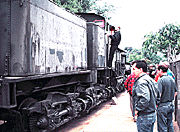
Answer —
107 118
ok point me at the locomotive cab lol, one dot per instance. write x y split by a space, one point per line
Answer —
98 30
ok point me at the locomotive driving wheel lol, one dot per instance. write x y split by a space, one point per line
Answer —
38 123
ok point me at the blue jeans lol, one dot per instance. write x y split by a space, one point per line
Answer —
145 123
164 117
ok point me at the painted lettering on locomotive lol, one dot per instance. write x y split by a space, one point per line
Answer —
53 65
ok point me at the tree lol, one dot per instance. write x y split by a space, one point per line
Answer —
57 2
168 40
133 54
165 42
76 5
85 6
104 10
150 49
72 5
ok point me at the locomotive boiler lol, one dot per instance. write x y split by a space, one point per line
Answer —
53 65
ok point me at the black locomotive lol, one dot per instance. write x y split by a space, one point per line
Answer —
53 65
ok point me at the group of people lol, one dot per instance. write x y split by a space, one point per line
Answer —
152 70
150 99
152 90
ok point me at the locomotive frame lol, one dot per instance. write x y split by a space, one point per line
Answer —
43 85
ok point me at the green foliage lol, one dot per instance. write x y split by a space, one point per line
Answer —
133 54
165 41
150 49
85 6
104 10
72 5
169 37
76 5
57 2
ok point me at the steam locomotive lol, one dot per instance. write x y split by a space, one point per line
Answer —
53 65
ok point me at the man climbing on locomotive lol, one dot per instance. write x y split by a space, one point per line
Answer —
115 41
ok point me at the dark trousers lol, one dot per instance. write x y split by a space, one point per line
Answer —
111 54
164 117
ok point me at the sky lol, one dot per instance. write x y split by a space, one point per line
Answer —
140 17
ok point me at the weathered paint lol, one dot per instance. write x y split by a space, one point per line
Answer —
64 46
43 38
101 47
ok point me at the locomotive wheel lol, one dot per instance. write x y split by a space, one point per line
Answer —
38 123
83 104
108 93
27 103
11 121
90 101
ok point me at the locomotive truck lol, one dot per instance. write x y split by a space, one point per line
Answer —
53 65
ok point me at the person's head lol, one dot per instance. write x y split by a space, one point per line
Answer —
162 69
152 67
164 63
139 67
128 72
112 28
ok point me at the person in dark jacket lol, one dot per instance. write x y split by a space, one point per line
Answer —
167 91
115 41
144 97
